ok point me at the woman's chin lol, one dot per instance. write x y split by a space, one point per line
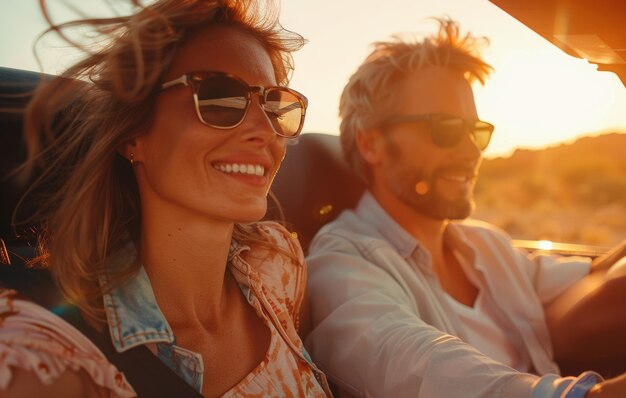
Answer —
250 215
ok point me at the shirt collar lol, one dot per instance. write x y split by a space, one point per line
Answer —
456 238
132 313
131 309
369 210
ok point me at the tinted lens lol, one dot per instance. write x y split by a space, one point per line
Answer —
285 110
222 101
448 131
482 134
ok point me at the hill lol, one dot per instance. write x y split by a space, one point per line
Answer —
572 192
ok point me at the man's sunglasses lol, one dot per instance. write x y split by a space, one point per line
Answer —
447 131
223 100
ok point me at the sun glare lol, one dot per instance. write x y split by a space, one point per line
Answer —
545 245
549 99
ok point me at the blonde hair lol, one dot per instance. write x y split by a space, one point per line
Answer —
370 95
75 124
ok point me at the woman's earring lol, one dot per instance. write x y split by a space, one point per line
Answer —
132 159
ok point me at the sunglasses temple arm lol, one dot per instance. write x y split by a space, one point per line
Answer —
181 80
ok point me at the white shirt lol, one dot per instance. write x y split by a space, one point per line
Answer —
483 331
383 327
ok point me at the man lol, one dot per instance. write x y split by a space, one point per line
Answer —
406 302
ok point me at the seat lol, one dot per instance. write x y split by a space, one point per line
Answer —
16 245
15 86
314 185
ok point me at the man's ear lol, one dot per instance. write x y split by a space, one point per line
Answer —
371 145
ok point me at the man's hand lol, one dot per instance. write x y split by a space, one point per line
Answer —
612 388
607 260
587 324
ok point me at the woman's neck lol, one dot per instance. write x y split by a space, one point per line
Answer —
185 257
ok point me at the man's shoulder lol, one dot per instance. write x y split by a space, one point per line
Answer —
350 226
348 232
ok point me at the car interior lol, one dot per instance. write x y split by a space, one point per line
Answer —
315 182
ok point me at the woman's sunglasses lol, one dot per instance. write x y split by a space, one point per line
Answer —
222 102
447 131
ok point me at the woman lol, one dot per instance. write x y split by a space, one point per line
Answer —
165 159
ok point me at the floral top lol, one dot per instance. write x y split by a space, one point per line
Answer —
34 339
273 284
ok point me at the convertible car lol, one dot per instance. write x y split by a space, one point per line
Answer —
315 183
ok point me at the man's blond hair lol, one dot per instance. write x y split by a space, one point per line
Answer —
370 95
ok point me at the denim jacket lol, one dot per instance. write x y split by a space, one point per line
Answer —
134 317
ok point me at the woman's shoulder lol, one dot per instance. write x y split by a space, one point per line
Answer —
36 344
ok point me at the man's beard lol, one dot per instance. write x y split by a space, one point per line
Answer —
402 180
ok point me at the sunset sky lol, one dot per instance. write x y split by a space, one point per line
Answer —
537 96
